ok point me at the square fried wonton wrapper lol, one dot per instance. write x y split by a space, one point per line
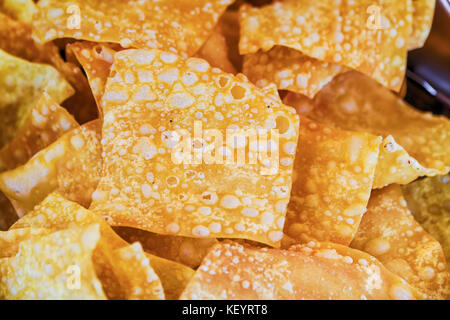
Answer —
44 264
150 95
71 166
56 213
415 143
180 26
319 271
290 69
373 41
16 39
423 12
21 86
389 232
429 201
333 175
46 122
44 267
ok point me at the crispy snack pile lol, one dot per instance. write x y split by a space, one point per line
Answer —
146 153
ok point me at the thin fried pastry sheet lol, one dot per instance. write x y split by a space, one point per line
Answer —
353 101
423 12
50 262
215 51
96 60
71 166
389 232
289 69
46 122
10 240
429 201
16 39
318 271
123 273
373 41
129 275
185 250
211 199
21 86
181 26
57 213
333 175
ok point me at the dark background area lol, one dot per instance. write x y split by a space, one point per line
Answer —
428 74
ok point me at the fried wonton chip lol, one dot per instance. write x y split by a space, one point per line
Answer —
56 212
55 266
188 251
140 280
174 276
389 232
16 39
215 51
314 271
333 176
290 70
10 240
21 10
46 122
429 201
96 60
21 86
152 182
353 101
366 35
423 12
70 166
173 25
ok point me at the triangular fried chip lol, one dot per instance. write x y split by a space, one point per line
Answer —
334 172
188 251
55 212
96 60
353 101
55 266
21 85
423 12
174 276
366 35
16 39
172 25
214 198
429 201
389 232
46 122
71 166
316 271
290 70
140 280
